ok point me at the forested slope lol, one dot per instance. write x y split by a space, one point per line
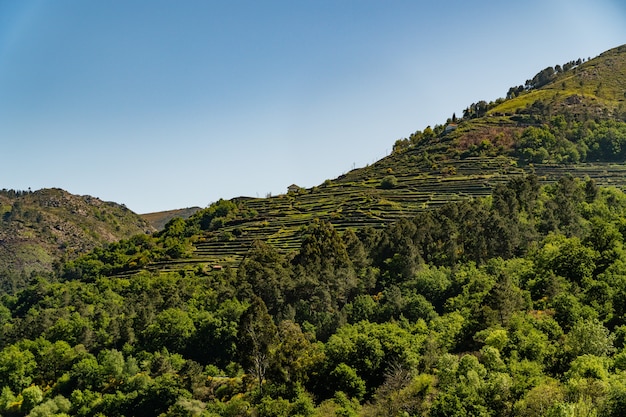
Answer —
506 305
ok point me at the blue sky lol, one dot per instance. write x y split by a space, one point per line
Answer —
169 104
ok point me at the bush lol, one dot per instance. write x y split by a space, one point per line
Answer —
389 182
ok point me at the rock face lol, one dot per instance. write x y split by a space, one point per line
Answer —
42 227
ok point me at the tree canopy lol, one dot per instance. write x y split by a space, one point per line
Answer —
507 305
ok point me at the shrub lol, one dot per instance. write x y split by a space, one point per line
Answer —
389 182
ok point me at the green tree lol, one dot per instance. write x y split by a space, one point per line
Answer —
86 373
265 272
31 396
214 216
294 359
322 247
504 299
55 359
529 340
257 336
433 283
567 257
355 248
540 400
345 379
172 329
215 340
57 406
389 182
589 366
323 280
16 368
371 349
589 337
535 144
112 367
605 238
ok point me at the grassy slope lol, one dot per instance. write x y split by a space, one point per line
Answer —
598 85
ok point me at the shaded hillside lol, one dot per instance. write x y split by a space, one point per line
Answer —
39 228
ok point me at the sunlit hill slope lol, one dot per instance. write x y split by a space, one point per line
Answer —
569 119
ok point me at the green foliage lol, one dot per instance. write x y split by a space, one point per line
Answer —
57 406
568 258
31 396
371 348
606 140
215 216
497 306
535 143
589 337
16 368
171 329
345 379
389 182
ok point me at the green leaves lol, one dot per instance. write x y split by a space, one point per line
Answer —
16 368
470 309
172 329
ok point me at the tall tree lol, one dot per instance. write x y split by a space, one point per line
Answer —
257 334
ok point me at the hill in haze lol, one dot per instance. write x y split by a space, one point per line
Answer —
38 229
159 219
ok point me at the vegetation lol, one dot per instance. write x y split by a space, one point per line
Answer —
38 229
478 270
503 305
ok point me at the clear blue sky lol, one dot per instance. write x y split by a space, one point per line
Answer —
169 104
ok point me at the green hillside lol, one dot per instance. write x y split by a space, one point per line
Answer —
39 229
572 124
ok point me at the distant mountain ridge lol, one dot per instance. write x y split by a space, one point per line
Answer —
158 219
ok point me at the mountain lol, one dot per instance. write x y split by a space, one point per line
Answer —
39 228
569 119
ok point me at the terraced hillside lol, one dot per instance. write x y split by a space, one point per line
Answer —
356 201
568 120
564 122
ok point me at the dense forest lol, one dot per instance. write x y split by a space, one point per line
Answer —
512 304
